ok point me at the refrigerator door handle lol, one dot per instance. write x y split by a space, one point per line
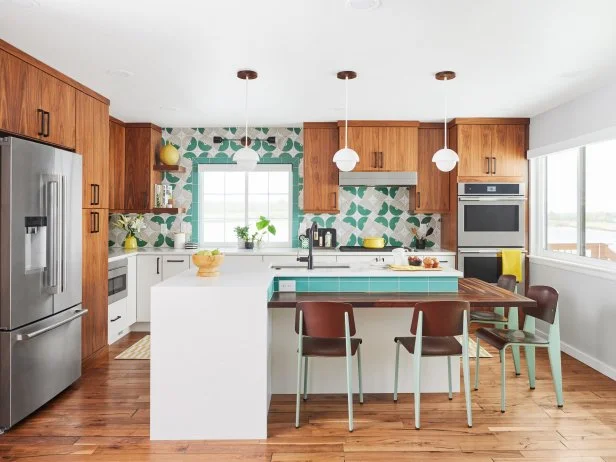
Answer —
52 246
36 333
64 234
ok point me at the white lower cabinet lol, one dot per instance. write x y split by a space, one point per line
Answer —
175 264
131 289
118 321
149 272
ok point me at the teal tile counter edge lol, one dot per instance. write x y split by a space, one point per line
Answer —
367 284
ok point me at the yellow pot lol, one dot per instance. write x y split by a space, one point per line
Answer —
208 264
169 155
130 242
373 242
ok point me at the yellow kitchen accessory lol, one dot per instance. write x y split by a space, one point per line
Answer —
169 155
373 242
512 263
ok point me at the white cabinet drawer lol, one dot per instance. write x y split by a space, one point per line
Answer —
175 264
117 321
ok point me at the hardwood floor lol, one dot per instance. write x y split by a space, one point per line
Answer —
104 417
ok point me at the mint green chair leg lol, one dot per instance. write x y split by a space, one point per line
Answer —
361 392
299 366
477 366
529 352
396 372
349 369
554 354
503 388
513 324
305 378
501 311
449 377
417 370
501 353
467 372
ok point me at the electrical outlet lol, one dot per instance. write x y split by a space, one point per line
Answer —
286 286
163 229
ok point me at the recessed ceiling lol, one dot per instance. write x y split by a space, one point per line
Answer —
512 58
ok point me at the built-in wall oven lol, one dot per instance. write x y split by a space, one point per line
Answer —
485 264
117 280
491 215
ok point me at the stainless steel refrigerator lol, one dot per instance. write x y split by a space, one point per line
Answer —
40 275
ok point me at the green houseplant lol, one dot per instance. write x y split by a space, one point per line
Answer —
264 226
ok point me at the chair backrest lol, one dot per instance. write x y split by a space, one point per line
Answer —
507 282
440 318
547 301
324 319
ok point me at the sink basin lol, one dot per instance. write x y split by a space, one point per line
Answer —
304 266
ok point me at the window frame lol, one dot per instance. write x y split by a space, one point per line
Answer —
233 168
539 214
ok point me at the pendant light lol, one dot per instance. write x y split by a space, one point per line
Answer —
445 159
246 158
346 158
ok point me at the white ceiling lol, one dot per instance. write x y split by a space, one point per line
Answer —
512 57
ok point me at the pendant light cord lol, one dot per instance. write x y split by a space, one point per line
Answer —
445 121
246 110
346 112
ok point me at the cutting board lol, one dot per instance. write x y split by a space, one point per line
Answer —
412 268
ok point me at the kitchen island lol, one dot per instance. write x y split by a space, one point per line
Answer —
218 352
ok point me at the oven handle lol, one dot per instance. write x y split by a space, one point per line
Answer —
115 272
495 252
492 199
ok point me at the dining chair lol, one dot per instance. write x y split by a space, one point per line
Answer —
497 318
546 310
434 326
326 329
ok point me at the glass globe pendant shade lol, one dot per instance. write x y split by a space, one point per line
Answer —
445 159
246 159
346 159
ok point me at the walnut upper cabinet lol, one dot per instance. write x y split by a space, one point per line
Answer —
117 140
320 172
382 145
491 149
432 190
13 93
142 148
93 145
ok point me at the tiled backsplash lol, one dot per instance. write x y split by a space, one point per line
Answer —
363 211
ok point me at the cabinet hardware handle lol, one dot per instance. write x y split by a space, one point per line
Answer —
382 165
175 261
42 114
335 199
487 165
97 221
46 134
97 190
115 319
92 194
157 265
493 165
92 222
418 199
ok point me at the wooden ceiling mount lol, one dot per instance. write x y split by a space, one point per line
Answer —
247 74
445 75
343 75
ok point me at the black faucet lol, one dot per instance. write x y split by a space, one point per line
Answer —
309 258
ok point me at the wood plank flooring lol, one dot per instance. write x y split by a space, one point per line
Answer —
104 417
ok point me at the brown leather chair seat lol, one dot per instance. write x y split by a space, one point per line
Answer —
487 316
314 346
499 338
432 346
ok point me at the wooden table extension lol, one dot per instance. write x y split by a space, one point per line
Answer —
475 291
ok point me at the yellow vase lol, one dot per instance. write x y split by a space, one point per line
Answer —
130 242
169 155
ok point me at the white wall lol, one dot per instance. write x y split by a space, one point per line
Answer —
587 297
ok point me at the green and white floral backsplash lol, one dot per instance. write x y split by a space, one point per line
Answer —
363 211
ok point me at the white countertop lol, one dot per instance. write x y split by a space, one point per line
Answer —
117 253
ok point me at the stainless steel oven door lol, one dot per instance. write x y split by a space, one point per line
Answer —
485 264
491 221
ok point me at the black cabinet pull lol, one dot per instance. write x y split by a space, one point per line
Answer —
97 189
116 318
157 265
374 162
45 113
92 194
382 161
94 222
98 222
487 165
493 165
335 199
176 261
418 199
42 115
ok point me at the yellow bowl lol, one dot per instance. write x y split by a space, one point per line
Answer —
374 242
208 264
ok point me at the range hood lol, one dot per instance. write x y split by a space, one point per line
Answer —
378 178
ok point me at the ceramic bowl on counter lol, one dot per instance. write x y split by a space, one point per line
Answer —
208 264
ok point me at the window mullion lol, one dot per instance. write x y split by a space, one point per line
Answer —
246 199
581 202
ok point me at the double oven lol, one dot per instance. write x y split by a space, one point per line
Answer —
491 216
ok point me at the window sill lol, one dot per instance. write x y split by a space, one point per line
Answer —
567 265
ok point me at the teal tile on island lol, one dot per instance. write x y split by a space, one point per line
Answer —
413 284
324 285
354 284
444 284
384 285
302 284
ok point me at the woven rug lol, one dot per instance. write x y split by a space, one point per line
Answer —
139 350
472 348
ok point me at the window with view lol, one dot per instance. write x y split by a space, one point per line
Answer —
577 201
229 198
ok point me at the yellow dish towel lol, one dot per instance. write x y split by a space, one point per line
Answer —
512 263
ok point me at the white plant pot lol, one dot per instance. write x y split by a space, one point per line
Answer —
240 243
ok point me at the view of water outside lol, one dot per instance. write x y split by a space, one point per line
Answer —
600 230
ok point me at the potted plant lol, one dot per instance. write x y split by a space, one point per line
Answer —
420 237
132 226
264 226
241 232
